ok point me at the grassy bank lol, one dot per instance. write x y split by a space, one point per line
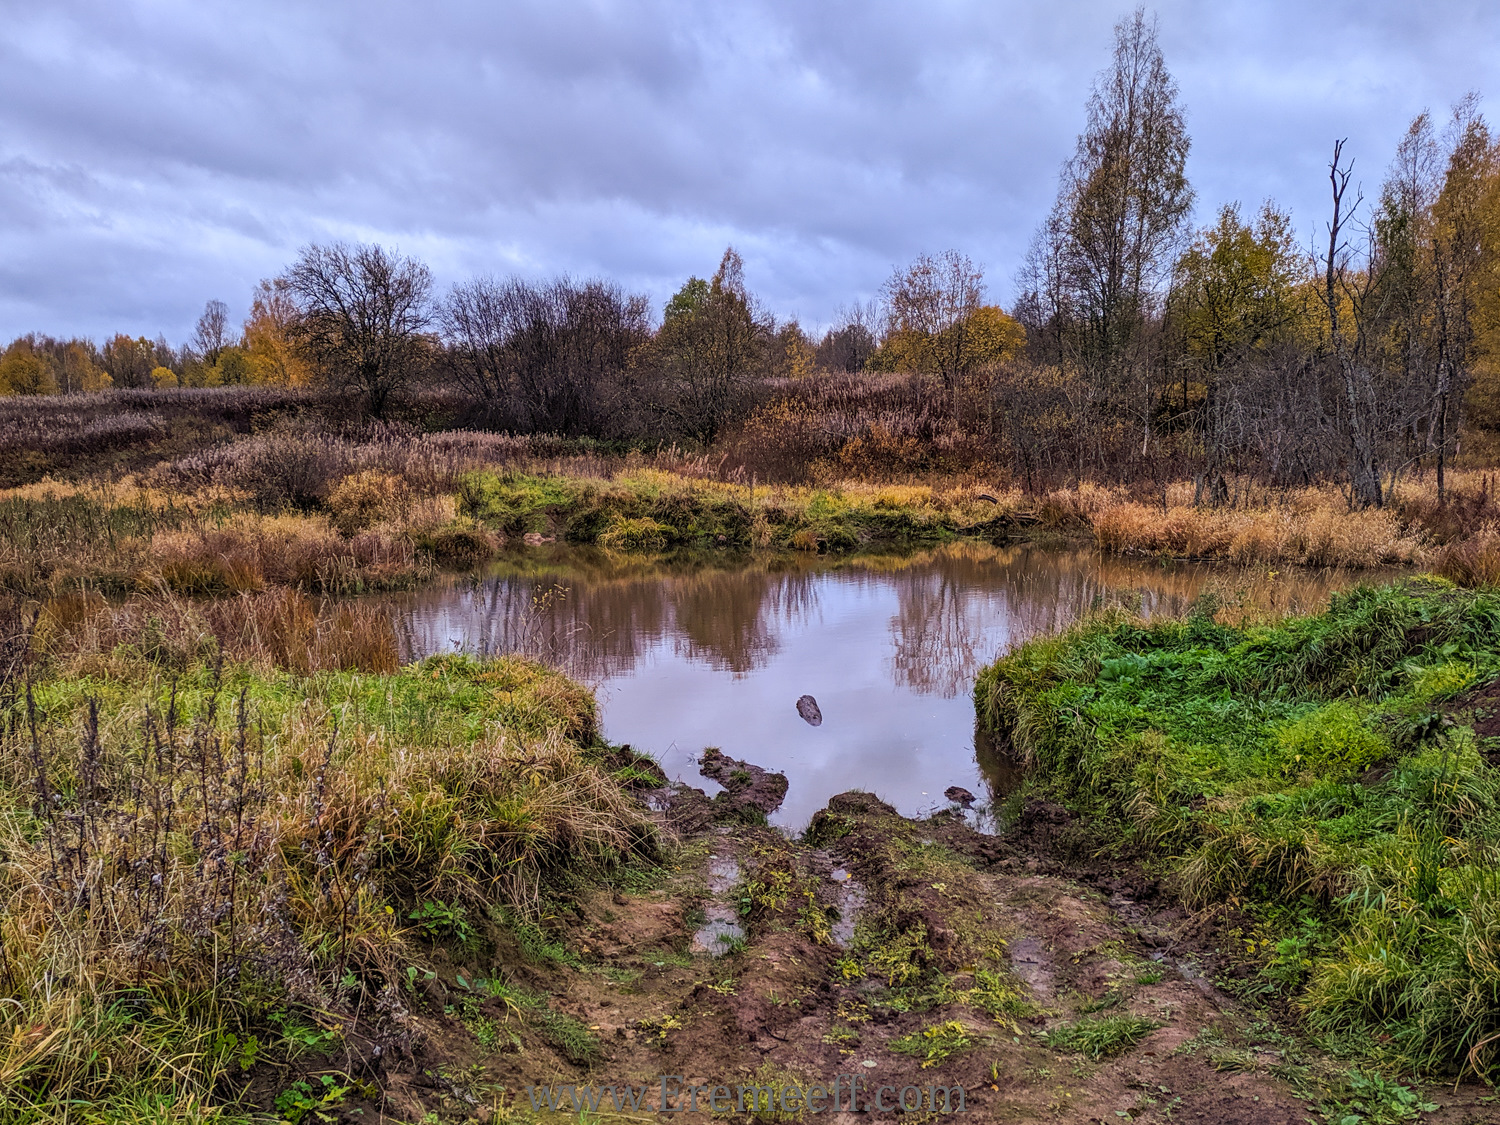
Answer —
656 511
1332 777
220 881
350 507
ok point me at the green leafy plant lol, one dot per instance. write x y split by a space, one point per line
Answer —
439 920
301 1100
935 1044
238 1051
1369 1098
301 1038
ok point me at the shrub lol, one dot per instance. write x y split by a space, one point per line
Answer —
363 499
1332 738
209 848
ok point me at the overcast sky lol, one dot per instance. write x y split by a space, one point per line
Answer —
156 154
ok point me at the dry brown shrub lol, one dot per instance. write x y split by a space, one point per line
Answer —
366 498
880 452
276 628
1072 506
1314 535
288 630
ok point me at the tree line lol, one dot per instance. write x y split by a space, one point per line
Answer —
1137 348
567 357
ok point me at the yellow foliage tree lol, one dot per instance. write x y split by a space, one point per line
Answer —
993 337
23 372
267 353
163 377
984 337
1483 406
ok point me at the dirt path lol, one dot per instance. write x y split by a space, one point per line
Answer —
878 955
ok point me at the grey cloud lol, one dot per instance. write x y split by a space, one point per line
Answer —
153 155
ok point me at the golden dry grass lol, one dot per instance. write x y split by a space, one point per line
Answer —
251 551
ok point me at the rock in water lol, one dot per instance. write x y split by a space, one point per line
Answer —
959 795
807 707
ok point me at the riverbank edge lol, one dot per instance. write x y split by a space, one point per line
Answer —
1361 747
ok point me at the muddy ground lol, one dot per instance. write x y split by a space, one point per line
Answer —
917 956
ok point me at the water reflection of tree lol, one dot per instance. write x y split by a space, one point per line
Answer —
598 617
732 620
592 631
963 604
595 628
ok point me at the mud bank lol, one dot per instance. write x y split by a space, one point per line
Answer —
874 955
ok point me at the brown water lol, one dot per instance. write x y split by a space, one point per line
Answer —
689 654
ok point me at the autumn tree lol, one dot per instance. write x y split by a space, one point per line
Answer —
75 366
362 318
937 322
711 346
24 372
1464 255
1097 271
270 352
544 357
790 354
129 362
1235 293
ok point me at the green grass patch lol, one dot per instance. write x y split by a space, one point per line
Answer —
1100 1038
228 837
1323 773
651 511
936 1044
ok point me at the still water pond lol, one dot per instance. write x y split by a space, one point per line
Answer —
690 654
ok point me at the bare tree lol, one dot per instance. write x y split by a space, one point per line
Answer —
212 335
851 341
545 357
1095 276
362 317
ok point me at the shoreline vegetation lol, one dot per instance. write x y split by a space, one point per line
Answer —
214 868
354 507
253 869
253 864
1327 785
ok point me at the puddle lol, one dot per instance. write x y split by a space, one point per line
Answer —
1029 963
723 873
1191 973
718 650
851 900
719 932
721 927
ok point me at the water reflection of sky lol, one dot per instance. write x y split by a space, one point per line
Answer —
685 655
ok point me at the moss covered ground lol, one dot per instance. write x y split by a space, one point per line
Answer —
1328 777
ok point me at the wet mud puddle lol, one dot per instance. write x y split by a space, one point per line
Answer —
720 932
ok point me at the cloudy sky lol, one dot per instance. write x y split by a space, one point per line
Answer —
156 153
